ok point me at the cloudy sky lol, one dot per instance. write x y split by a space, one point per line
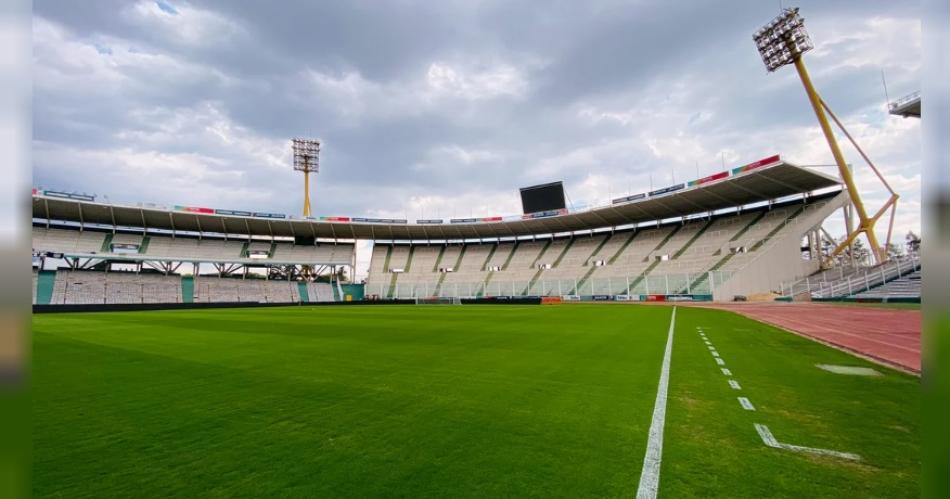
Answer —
445 108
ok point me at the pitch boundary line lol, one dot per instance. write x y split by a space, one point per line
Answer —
650 476
769 440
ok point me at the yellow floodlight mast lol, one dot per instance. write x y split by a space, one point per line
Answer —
306 160
783 41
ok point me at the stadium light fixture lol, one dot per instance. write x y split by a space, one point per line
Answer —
306 160
784 41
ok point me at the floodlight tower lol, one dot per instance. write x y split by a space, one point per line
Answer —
784 41
306 160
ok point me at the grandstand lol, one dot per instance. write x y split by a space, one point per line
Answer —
895 280
730 235
684 257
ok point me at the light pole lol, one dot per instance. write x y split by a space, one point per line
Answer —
784 41
306 160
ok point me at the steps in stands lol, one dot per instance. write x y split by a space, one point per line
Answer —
438 260
692 240
107 243
778 227
491 253
302 291
187 289
622 248
458 265
560 257
510 255
597 249
45 281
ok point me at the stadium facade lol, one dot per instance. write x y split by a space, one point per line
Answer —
741 232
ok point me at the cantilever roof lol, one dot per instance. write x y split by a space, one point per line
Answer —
767 182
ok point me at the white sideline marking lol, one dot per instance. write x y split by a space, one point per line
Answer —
650 476
746 404
720 361
734 384
769 440
725 371
715 353
711 348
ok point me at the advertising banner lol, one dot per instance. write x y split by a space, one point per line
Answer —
69 195
234 213
194 209
629 198
757 164
268 215
711 178
379 220
666 190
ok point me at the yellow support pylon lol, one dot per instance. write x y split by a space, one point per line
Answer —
865 223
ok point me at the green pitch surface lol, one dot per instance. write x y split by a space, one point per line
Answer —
453 401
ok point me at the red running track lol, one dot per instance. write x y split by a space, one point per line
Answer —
891 336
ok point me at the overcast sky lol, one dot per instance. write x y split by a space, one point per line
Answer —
445 108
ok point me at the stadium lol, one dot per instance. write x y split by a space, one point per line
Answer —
707 338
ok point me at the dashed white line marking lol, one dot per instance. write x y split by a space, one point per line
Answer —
650 476
726 371
770 440
734 384
746 404
720 361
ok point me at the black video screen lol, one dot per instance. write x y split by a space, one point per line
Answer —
542 197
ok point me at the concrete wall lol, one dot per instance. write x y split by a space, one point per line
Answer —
780 260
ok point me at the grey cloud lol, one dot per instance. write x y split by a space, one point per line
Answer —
682 74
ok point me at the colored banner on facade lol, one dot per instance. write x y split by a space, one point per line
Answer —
711 178
379 220
667 190
463 220
629 198
268 215
544 214
758 164
69 195
335 219
234 213
194 209
429 221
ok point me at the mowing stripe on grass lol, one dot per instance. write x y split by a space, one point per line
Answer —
770 440
650 476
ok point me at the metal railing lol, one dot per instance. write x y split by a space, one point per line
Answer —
697 283
851 280
904 100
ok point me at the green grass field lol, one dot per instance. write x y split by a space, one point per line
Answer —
452 401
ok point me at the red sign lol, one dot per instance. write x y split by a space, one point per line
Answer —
335 219
490 219
710 178
758 164
195 209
